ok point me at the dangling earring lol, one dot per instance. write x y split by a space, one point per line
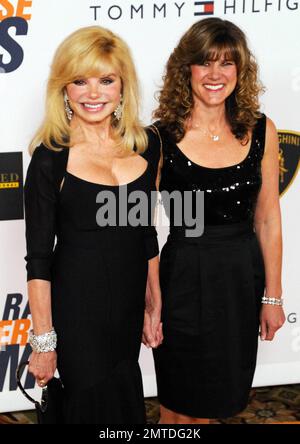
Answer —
118 111
68 110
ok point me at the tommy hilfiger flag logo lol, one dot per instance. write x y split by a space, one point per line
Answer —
204 8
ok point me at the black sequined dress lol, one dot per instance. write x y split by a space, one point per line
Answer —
211 286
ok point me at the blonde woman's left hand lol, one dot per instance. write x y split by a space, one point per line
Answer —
152 330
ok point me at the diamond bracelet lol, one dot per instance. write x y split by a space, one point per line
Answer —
43 343
272 301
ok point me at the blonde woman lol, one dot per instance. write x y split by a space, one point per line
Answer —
217 288
87 280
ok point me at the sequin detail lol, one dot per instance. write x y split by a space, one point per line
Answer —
230 192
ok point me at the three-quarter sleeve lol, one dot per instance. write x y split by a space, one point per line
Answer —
152 155
151 242
153 150
40 214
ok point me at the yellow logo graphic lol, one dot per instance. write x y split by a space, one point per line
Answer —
289 158
9 180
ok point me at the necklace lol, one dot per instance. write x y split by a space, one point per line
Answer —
212 136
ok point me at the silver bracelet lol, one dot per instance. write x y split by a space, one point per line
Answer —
43 343
272 301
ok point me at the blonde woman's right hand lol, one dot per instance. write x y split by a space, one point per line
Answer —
42 366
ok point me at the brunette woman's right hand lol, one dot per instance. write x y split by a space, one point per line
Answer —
43 366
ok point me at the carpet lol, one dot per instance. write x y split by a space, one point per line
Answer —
267 405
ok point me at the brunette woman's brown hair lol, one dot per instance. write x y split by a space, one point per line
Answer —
208 40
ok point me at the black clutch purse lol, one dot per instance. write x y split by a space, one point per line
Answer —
50 409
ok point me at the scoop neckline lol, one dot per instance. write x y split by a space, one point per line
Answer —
107 185
217 168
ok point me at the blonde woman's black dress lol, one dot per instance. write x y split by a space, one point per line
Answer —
212 286
98 279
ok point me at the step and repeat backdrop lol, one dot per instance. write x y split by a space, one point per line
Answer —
30 31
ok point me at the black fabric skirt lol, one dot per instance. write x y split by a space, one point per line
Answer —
212 288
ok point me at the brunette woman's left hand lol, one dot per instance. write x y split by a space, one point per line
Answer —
272 318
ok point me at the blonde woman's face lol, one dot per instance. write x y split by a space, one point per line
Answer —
94 99
213 81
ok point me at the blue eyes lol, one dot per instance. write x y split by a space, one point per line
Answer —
79 82
104 81
107 81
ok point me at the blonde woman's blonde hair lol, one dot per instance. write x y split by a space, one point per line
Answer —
86 53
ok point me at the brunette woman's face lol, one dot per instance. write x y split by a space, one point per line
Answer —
213 81
94 99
